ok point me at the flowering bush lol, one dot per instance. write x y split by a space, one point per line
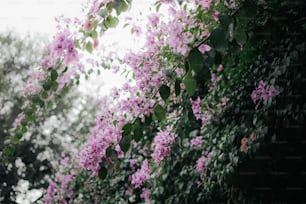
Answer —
195 75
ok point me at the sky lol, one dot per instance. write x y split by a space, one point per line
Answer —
37 17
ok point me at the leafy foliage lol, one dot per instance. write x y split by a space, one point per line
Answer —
199 116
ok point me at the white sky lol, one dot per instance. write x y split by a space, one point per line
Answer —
37 16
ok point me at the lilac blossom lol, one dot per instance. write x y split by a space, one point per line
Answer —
146 195
141 175
196 142
162 144
263 92
202 162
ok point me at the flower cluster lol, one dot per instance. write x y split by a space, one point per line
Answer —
106 133
141 175
60 193
18 120
264 92
196 106
146 195
244 145
32 85
196 142
161 144
202 162
63 46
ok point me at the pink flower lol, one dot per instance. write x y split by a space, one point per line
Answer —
90 157
137 30
64 161
272 92
215 15
261 86
202 162
224 101
19 119
133 162
141 175
32 87
47 62
255 96
50 193
162 144
205 4
220 68
71 55
95 43
178 40
146 195
262 92
87 25
120 153
153 19
65 180
51 188
196 142
95 7
166 1
196 108
107 1
204 48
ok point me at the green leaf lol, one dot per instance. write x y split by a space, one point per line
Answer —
126 129
15 140
125 6
138 133
8 151
160 112
94 34
225 21
195 60
54 75
18 135
177 87
117 4
24 129
247 13
190 84
41 103
47 85
164 92
240 36
218 39
250 8
54 85
111 22
65 70
111 153
95 24
28 111
103 13
102 173
148 120
125 143
89 47
44 95
24 122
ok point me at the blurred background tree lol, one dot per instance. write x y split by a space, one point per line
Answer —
28 169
